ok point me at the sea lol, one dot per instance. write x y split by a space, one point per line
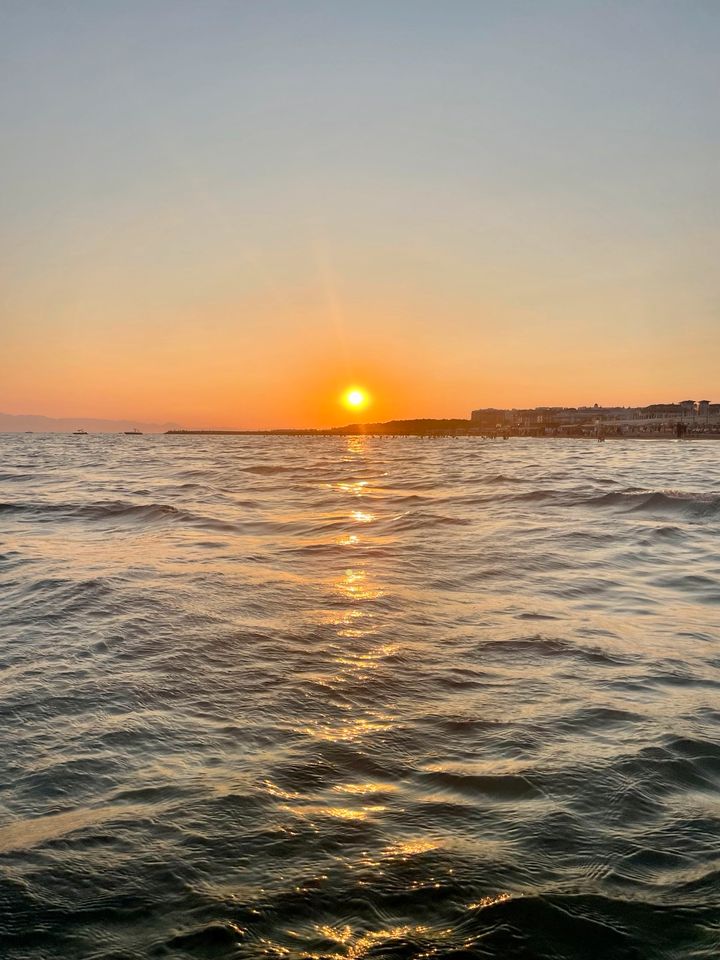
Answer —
359 697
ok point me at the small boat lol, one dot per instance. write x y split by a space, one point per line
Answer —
79 433
133 433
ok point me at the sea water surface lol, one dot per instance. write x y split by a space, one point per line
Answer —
359 697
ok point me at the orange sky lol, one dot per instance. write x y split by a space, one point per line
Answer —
206 368
210 222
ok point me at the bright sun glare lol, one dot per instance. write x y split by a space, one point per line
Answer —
355 398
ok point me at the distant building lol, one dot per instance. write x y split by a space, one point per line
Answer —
701 416
487 416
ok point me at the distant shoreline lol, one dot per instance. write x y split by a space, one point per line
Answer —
436 434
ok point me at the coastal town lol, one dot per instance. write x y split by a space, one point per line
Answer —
686 418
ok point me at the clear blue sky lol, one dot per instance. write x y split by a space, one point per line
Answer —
214 210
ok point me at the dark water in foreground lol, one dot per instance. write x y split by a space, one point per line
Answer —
359 698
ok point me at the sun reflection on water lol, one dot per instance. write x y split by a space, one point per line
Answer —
311 811
347 730
354 585
356 488
345 619
354 946
356 446
362 788
348 540
489 901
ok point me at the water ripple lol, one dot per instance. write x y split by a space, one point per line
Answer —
355 697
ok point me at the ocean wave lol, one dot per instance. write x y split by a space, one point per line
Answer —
663 503
118 511
422 519
501 787
539 646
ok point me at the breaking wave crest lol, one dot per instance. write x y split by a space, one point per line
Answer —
663 503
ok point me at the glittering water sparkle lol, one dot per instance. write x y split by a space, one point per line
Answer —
365 697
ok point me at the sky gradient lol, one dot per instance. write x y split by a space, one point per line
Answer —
225 213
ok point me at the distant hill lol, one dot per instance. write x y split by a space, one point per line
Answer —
405 428
21 423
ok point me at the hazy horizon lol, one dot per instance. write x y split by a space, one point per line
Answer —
113 423
226 214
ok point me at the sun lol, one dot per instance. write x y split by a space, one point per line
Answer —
355 398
